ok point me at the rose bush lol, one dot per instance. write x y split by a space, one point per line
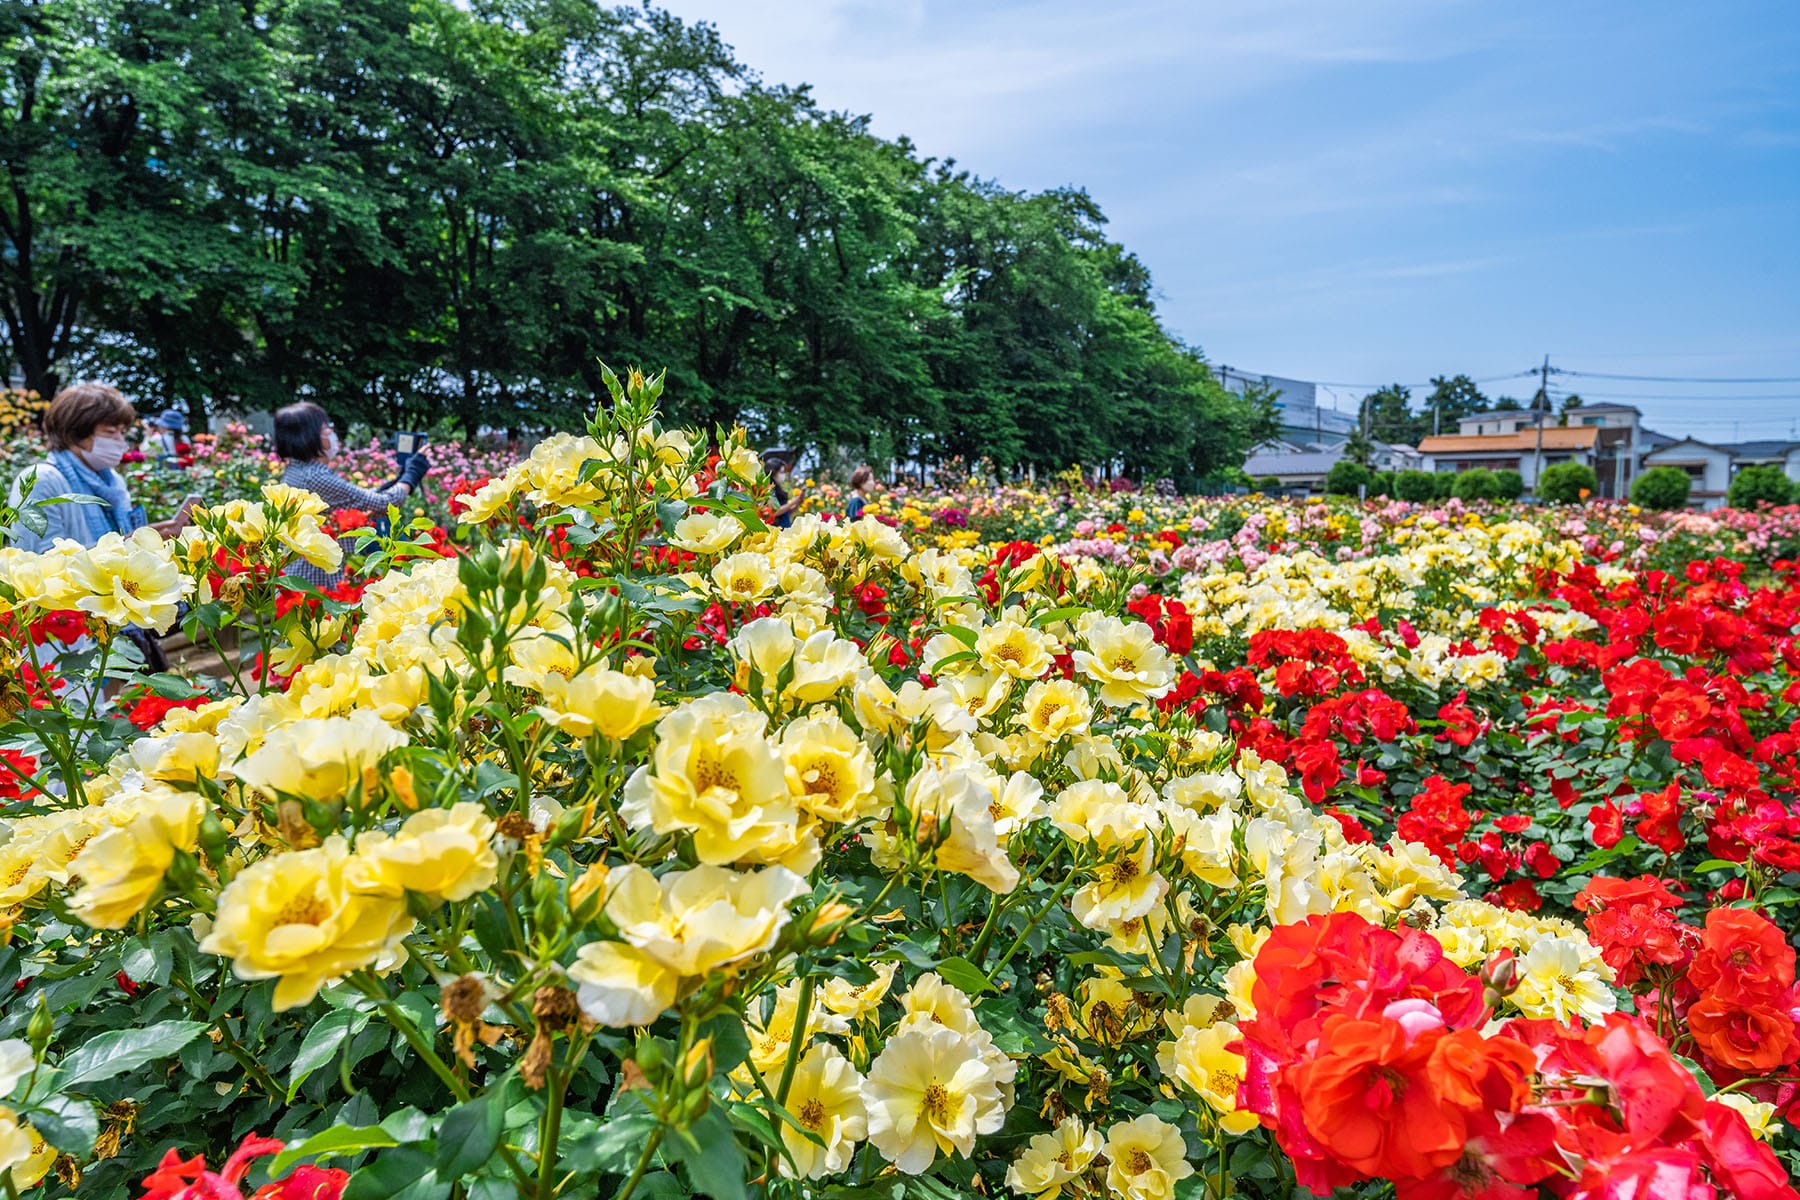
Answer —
626 846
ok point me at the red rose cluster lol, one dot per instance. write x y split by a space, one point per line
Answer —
1372 1056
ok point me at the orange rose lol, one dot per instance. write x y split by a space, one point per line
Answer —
1742 957
1756 1037
1370 1100
1482 1075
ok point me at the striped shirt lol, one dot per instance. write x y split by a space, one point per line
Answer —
337 492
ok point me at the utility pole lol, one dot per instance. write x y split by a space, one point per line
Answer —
1540 405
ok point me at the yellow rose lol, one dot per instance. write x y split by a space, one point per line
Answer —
600 701
120 868
1125 661
296 918
440 853
129 581
319 757
683 925
715 774
705 533
830 773
1198 1060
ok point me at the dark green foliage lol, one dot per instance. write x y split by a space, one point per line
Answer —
1510 484
1415 486
1766 484
1345 477
1268 485
413 211
1476 484
1661 488
1564 483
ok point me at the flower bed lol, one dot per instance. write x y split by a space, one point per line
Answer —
630 848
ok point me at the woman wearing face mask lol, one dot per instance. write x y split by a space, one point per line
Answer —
304 436
86 426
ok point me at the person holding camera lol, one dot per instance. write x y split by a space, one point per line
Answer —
305 438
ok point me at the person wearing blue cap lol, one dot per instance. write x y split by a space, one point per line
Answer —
167 438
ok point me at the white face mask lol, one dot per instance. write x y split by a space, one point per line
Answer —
105 452
330 443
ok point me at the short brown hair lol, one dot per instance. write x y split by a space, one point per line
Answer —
861 475
81 408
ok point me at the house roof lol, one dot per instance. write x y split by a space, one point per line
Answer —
1654 439
1775 448
1556 437
1768 450
1606 406
1311 462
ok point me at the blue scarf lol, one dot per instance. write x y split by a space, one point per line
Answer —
113 514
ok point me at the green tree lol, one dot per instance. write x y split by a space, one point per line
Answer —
1509 483
1389 416
131 132
1661 488
1565 483
1757 485
1452 398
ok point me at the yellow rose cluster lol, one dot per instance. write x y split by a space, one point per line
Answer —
635 775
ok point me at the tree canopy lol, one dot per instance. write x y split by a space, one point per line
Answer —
407 209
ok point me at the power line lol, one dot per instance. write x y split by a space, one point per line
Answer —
1676 378
1678 396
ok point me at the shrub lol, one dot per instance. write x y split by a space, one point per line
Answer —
1345 477
1443 485
1564 483
1268 485
1415 486
1510 483
1661 488
1384 484
1476 484
1759 485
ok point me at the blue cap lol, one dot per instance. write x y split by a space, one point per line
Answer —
171 418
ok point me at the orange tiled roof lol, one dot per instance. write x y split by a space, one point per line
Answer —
1556 437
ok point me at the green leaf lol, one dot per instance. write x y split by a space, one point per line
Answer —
714 1160
1719 864
69 1124
960 633
340 1141
963 974
322 1042
730 1044
468 1136
403 1171
125 1050
615 1146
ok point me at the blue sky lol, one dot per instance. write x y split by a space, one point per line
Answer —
1369 190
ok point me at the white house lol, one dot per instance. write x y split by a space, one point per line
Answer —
1303 466
1711 465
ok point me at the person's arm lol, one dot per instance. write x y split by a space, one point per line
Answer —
339 492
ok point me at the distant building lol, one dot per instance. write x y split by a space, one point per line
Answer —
1619 446
1297 402
1519 450
1302 467
1711 465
